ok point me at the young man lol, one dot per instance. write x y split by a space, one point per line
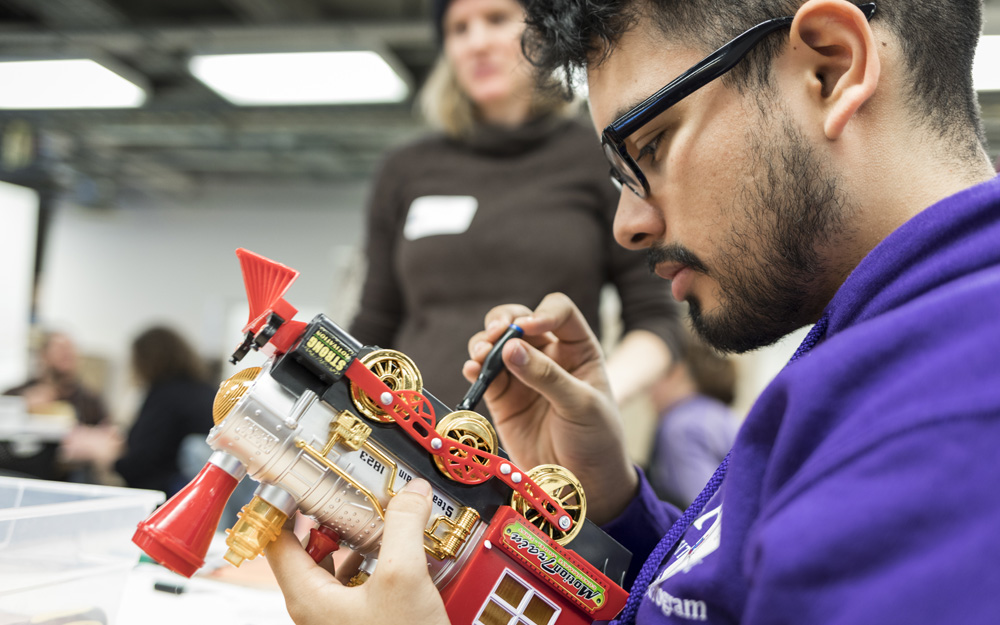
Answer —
834 175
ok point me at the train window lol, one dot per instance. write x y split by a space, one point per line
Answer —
514 601
493 614
511 590
538 612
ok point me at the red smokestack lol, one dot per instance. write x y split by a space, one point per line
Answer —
178 533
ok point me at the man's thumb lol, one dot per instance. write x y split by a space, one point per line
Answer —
539 372
405 520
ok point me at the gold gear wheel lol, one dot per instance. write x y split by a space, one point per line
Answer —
562 486
469 428
396 371
231 391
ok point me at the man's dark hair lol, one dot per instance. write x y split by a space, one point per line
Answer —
938 39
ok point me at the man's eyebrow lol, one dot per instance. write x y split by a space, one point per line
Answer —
627 108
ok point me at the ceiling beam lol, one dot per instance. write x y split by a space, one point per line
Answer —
82 14
412 33
274 11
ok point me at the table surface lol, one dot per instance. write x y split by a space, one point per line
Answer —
202 600
30 428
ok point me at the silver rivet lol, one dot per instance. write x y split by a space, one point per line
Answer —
565 522
487 544
516 478
436 443
505 468
386 398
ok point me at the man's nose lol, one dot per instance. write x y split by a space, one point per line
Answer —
638 222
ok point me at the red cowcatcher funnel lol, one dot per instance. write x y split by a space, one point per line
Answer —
178 533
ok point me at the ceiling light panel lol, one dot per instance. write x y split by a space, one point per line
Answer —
986 67
65 84
300 78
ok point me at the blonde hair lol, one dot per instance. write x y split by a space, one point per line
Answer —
446 107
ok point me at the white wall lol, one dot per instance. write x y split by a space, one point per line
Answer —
111 273
18 232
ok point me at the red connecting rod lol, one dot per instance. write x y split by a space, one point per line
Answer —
414 413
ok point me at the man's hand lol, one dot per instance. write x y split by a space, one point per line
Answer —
553 404
399 591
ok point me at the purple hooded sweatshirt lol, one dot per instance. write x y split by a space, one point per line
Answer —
864 486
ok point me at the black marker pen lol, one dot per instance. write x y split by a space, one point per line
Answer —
492 366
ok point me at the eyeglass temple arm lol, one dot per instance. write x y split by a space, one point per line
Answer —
710 68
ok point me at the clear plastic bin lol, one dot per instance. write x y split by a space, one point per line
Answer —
66 548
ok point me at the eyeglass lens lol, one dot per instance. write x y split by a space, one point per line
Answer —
621 172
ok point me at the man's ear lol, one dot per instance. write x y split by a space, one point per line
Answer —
833 45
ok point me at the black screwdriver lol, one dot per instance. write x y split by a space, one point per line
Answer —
492 366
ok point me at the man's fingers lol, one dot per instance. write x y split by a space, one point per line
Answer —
557 314
402 550
556 318
497 321
471 369
347 565
297 574
539 372
500 317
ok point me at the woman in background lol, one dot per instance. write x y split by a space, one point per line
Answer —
178 403
456 220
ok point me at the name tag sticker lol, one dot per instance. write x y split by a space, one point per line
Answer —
439 214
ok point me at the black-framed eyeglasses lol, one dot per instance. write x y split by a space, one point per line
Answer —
624 169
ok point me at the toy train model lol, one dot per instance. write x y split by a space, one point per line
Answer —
334 429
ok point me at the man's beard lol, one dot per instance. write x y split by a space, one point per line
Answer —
770 272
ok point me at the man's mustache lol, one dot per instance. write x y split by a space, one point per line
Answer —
673 253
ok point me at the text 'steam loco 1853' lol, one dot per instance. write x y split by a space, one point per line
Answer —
334 429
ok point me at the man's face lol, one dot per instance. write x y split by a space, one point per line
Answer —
741 208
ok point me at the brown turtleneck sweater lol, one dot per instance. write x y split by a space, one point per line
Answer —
541 207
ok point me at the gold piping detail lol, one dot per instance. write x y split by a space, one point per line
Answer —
309 449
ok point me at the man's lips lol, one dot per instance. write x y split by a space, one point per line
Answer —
668 271
680 277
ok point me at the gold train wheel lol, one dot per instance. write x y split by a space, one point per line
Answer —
231 391
562 486
396 371
469 428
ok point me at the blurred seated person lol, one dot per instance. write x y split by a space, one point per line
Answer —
56 389
178 403
695 426
54 394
